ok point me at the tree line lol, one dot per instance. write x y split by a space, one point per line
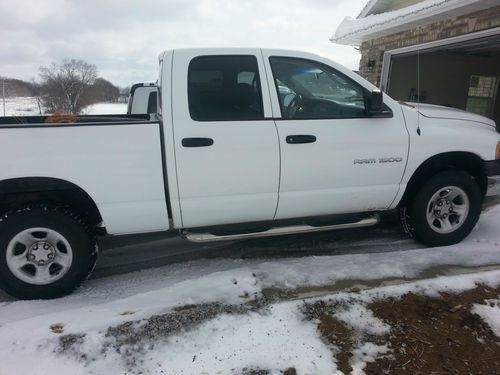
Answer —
67 87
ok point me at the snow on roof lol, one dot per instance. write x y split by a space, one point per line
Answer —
369 5
355 31
382 6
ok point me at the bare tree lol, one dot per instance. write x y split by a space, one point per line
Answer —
101 91
36 92
64 84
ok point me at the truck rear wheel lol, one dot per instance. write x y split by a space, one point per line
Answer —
45 252
445 209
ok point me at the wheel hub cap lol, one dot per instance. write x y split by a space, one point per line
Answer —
41 253
442 208
447 209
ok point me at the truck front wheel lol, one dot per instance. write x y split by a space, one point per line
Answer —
46 252
445 209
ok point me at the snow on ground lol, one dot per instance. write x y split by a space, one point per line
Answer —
272 337
490 313
105 109
20 106
273 340
28 106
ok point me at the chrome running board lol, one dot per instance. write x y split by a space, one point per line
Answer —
279 231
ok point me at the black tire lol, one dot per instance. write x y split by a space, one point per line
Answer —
64 223
418 209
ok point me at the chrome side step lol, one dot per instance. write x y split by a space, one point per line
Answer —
280 231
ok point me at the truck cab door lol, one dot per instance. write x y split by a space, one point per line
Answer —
226 143
335 156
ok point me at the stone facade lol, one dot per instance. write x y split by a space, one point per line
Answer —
372 51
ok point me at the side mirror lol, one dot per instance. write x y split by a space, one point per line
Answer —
143 99
375 102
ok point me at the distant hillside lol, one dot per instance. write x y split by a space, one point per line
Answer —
101 91
16 87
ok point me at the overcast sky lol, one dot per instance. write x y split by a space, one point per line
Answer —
124 38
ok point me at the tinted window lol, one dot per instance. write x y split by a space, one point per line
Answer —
222 88
308 89
152 101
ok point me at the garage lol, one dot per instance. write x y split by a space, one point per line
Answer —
461 74
444 52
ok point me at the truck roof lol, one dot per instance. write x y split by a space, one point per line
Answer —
237 50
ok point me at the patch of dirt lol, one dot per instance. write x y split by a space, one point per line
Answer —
57 328
336 332
438 335
67 342
128 312
257 371
428 335
254 371
344 339
70 344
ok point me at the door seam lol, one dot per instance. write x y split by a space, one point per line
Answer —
277 133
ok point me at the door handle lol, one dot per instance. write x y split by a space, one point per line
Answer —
197 142
300 138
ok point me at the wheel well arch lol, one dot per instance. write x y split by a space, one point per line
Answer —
457 160
15 192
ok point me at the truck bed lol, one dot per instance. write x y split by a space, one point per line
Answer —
116 159
73 120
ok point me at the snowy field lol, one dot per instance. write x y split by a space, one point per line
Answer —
28 106
106 109
20 106
242 316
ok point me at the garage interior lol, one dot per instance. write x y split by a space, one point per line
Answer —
463 75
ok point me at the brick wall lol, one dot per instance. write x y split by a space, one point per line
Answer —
373 50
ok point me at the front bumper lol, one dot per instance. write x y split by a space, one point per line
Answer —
488 202
492 169
492 196
493 186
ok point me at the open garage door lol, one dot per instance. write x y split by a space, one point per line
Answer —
464 75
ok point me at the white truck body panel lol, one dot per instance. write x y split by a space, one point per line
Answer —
443 134
236 179
320 178
166 113
119 166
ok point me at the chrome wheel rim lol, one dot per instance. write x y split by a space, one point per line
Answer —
447 209
39 256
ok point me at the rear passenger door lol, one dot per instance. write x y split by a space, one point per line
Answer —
226 143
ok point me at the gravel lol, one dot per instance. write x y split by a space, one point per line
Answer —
133 339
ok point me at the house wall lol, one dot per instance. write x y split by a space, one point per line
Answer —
372 51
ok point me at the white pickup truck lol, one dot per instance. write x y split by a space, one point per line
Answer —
243 143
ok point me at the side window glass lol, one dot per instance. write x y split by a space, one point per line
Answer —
152 102
310 90
224 88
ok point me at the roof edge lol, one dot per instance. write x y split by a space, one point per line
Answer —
355 31
367 8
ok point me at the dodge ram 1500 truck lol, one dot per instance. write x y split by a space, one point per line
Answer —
243 143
